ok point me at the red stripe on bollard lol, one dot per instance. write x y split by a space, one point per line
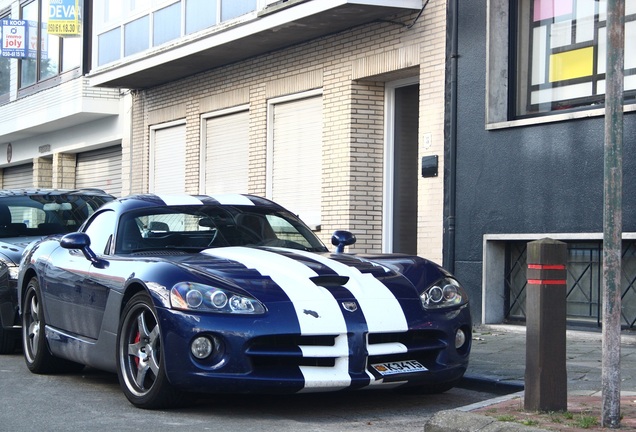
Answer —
547 281
546 266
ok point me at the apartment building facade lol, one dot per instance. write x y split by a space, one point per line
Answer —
55 129
530 150
327 107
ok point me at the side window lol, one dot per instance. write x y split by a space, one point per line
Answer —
100 230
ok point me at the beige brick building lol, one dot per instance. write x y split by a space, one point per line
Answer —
379 88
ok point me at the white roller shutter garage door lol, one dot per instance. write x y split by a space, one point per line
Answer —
100 169
19 176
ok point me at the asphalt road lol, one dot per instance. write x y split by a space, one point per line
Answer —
92 400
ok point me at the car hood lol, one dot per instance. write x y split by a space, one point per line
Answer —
11 248
403 275
325 291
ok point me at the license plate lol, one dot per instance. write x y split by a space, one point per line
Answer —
400 367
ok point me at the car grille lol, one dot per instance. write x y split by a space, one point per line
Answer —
274 352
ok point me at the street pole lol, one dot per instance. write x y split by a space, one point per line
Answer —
612 214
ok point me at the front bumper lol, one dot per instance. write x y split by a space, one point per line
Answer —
258 354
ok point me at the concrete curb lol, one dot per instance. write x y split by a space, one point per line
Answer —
460 421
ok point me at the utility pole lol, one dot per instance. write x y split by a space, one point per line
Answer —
612 214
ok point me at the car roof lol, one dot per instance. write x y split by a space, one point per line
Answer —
52 192
160 200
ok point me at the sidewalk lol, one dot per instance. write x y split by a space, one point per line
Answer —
498 359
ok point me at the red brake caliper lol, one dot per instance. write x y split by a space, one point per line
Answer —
137 339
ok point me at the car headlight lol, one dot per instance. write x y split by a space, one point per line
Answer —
192 296
13 271
446 292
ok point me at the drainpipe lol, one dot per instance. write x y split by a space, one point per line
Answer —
451 149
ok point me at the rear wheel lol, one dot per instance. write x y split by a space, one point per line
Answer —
140 365
37 356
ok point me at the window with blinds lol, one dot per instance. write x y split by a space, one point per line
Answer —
296 157
167 159
227 153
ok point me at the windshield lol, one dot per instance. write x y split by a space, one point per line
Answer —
196 228
41 215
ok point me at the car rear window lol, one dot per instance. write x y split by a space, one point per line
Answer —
40 215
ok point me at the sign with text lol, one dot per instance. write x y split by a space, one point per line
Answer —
14 38
64 18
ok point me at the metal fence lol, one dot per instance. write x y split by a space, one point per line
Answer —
584 283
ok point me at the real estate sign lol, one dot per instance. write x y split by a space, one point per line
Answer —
64 18
14 38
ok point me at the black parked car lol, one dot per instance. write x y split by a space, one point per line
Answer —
27 215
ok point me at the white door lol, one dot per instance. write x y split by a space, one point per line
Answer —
401 168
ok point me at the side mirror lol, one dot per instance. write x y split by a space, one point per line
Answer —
81 241
342 239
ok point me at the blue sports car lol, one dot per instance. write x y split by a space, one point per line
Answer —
182 295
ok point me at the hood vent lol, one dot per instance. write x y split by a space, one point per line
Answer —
330 281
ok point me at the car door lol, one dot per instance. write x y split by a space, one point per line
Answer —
75 298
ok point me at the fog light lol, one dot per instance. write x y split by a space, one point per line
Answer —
460 338
201 347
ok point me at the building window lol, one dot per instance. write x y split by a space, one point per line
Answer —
584 282
200 14
294 154
232 8
109 46
167 158
167 24
136 36
143 21
561 49
51 54
225 150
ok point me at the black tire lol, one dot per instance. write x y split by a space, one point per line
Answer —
37 355
7 341
140 365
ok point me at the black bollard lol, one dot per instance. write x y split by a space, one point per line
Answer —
546 375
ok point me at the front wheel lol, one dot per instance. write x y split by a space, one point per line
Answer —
140 365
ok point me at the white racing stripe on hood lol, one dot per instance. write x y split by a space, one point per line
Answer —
317 311
381 309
